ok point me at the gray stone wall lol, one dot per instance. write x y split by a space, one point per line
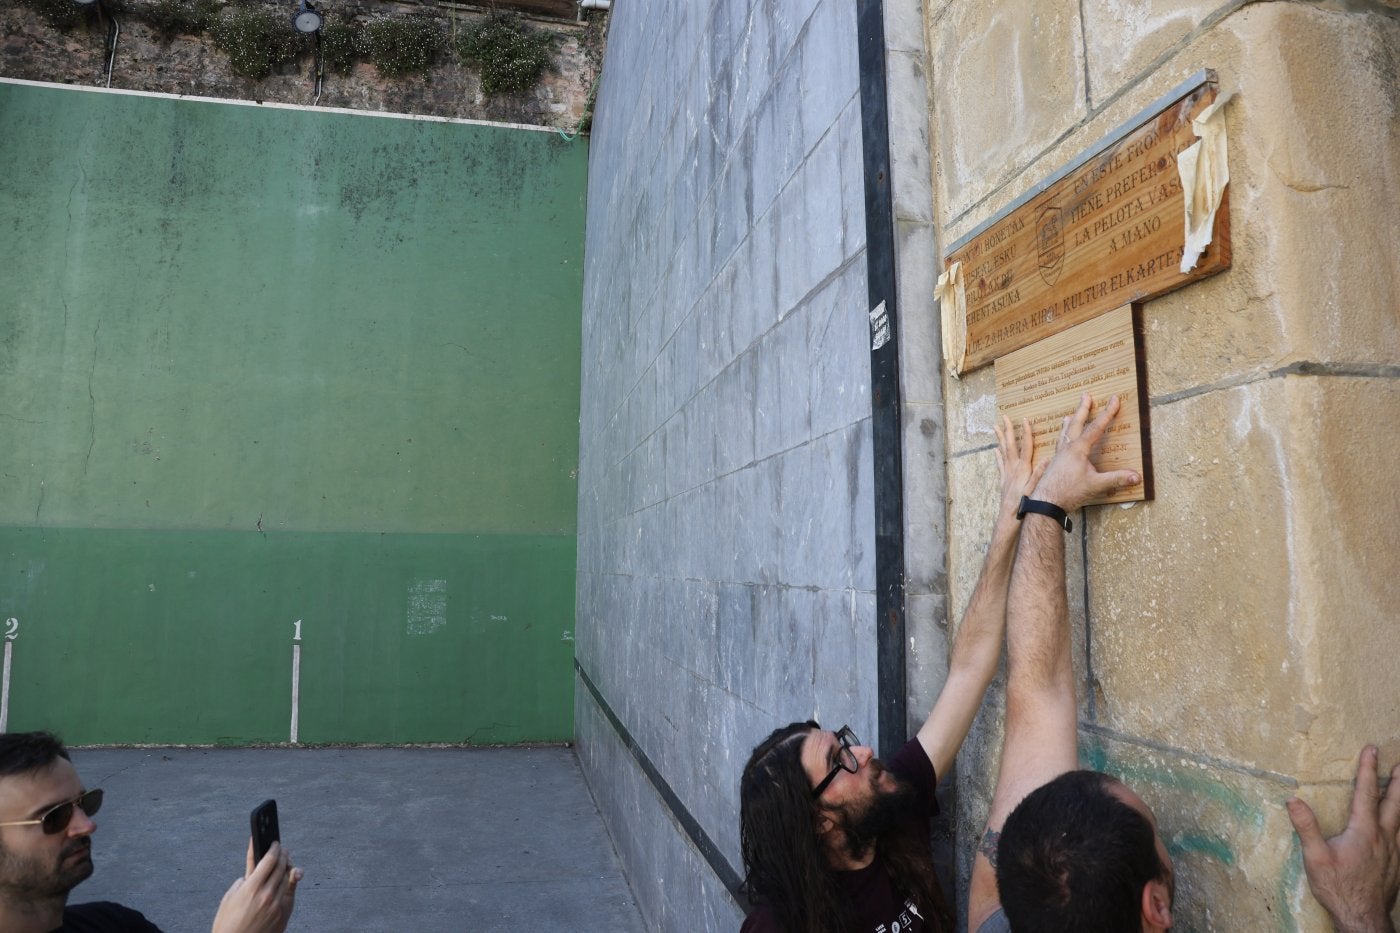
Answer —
726 526
1233 635
191 65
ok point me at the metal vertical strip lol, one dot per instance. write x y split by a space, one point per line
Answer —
884 378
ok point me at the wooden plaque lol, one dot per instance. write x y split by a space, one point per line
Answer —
1043 382
1104 234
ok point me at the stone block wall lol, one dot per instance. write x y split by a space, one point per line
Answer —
193 66
1234 636
726 536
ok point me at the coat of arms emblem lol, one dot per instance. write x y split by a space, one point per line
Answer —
1050 240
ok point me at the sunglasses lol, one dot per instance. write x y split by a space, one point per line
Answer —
57 819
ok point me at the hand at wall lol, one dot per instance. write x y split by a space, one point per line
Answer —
1356 874
1071 479
1015 462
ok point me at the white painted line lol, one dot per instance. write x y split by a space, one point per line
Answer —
5 690
296 686
273 105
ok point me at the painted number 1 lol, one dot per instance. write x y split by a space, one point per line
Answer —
11 629
296 630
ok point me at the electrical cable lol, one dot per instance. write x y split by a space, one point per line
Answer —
319 70
113 31
587 110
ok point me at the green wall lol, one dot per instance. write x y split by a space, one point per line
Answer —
260 365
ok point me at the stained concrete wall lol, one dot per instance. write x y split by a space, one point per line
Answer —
271 372
726 527
1235 635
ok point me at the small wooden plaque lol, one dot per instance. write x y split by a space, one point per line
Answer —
1043 382
1106 233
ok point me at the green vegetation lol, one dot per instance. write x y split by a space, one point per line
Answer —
340 44
171 18
256 39
511 54
60 14
400 45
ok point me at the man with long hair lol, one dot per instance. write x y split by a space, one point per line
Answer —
835 840
46 832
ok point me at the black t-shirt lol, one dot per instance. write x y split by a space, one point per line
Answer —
104 917
879 908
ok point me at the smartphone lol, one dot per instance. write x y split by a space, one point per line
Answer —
265 829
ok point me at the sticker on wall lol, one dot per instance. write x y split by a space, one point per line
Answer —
427 606
879 327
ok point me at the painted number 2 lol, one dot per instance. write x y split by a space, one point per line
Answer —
296 630
11 629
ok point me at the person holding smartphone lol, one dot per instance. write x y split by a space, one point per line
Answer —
46 832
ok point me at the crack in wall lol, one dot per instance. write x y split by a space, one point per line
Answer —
67 240
1304 187
1300 368
1091 682
1084 46
1207 760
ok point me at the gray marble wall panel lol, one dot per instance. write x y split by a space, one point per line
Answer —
726 523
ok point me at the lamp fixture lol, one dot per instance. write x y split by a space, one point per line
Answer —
306 19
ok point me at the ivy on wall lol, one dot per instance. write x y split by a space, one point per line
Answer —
256 39
340 43
401 45
510 54
60 14
171 18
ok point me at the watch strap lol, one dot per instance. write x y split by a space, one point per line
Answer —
1041 507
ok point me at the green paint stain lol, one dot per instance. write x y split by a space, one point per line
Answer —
1289 882
1201 844
1094 754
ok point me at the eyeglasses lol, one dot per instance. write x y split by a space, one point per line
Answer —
57 819
845 759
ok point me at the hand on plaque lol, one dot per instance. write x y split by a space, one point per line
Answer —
1071 479
1015 463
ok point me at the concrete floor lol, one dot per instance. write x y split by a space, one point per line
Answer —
432 839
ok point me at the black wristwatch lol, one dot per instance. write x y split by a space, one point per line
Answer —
1044 508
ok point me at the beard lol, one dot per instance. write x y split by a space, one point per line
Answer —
887 810
30 878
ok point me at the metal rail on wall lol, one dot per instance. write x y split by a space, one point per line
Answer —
884 380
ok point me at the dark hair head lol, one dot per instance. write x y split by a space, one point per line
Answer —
24 752
785 866
1074 856
785 860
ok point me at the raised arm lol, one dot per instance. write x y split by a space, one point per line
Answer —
1040 740
977 645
